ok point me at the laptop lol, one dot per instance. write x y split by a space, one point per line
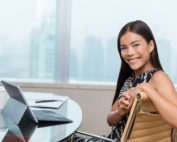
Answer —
37 116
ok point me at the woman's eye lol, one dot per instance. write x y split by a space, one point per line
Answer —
122 48
136 45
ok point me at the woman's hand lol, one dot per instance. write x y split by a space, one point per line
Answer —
121 107
143 87
126 101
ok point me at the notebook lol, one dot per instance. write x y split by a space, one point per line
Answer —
45 100
37 116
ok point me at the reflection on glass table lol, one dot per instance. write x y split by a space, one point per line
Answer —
18 133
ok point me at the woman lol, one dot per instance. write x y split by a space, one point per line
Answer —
140 71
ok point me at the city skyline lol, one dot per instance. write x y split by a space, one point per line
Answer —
28 46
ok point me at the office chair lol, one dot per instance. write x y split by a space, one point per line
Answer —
144 123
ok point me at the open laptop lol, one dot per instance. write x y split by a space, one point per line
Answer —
35 115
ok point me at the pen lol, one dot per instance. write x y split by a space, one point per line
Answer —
46 101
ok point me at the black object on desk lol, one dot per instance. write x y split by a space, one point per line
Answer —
17 103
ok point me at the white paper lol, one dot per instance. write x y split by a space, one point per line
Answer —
32 97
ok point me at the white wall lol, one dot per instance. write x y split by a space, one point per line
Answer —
94 100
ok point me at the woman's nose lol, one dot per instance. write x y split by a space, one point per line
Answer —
130 51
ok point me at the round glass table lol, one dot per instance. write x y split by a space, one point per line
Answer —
45 132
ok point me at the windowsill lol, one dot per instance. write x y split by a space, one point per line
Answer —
71 85
38 83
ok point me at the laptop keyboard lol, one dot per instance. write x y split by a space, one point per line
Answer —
44 115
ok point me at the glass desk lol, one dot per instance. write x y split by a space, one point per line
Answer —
32 132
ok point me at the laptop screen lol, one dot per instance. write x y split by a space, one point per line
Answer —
15 93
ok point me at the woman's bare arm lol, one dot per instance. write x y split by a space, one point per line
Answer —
162 93
114 116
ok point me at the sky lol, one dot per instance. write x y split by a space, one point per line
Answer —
19 17
105 18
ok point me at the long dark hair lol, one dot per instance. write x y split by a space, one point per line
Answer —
140 28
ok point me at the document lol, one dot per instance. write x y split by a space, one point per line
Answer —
45 100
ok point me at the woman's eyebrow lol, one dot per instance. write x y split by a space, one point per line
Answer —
131 42
135 41
122 45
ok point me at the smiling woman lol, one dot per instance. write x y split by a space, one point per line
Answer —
140 71
136 52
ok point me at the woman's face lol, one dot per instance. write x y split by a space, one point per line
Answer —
135 51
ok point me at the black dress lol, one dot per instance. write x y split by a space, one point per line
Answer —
117 131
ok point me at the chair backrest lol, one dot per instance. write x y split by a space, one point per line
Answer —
144 124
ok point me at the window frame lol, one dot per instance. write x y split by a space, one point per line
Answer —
63 34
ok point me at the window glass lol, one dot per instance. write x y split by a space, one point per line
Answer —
94 28
27 38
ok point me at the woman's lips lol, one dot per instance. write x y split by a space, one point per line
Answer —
133 60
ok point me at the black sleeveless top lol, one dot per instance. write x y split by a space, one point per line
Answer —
145 77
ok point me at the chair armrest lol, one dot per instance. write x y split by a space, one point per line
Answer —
141 96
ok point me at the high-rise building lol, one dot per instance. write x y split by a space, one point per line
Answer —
43 49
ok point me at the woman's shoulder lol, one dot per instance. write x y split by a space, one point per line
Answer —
160 75
161 80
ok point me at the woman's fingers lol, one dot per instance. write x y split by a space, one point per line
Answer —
126 101
123 103
126 95
125 107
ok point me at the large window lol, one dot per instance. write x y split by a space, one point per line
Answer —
27 39
76 40
94 30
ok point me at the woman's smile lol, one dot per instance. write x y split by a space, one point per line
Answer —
133 60
136 52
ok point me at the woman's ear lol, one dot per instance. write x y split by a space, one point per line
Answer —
151 45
